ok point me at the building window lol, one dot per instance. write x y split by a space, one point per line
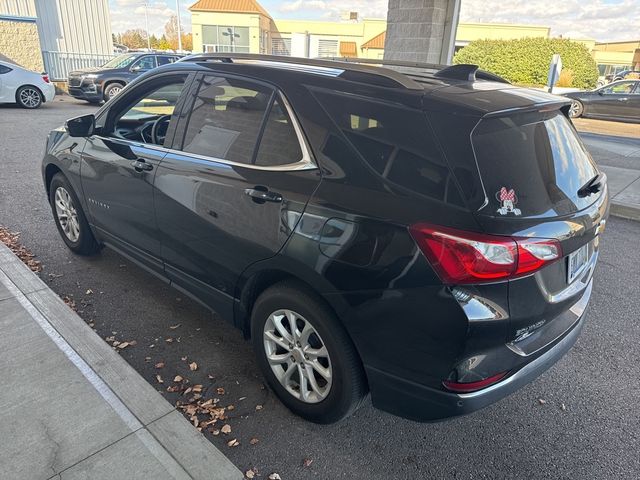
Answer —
218 38
327 48
281 46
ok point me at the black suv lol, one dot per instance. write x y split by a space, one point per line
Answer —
103 83
428 234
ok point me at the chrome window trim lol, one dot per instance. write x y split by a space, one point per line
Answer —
305 163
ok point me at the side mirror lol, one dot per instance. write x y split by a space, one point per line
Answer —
136 68
82 126
601 91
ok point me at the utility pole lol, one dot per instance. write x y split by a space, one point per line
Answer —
146 19
179 29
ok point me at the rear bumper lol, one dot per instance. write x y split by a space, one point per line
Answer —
49 92
417 402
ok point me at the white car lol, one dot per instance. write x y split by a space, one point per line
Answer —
24 87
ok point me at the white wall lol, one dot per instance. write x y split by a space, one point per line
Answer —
74 26
18 8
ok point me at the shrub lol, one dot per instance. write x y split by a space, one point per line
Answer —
565 79
526 61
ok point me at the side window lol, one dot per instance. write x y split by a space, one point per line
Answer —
279 144
145 63
396 142
226 119
165 60
146 116
622 87
4 69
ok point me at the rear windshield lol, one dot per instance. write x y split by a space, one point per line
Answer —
532 164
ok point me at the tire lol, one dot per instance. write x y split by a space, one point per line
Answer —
82 243
112 90
576 110
347 388
29 97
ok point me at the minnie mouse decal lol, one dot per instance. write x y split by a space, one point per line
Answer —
508 199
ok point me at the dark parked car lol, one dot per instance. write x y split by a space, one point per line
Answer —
615 101
103 83
426 235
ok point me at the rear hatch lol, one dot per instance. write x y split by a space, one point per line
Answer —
527 174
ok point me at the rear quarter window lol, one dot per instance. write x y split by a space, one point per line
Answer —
395 141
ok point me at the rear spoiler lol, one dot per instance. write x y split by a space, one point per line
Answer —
551 106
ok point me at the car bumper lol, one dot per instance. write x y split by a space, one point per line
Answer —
49 91
418 402
90 92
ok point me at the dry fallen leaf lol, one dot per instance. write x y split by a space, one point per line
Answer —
110 339
133 343
177 378
307 462
168 340
159 378
258 407
250 473
184 359
233 442
231 407
220 391
173 327
123 345
160 365
226 428
563 406
274 476
215 432
542 401
89 292
253 441
193 366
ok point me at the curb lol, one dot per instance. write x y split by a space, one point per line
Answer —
625 210
168 435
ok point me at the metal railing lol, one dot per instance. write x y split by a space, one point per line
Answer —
59 64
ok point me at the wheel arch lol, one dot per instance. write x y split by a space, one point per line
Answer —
110 82
258 277
49 171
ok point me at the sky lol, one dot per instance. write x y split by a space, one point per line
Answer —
602 20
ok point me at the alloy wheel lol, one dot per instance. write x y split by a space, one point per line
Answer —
67 214
575 110
30 97
297 356
113 91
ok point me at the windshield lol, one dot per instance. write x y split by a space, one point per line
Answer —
120 61
532 164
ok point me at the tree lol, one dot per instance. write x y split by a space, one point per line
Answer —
187 42
171 32
136 38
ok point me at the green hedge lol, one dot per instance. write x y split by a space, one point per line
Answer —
526 61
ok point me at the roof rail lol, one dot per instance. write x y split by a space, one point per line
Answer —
468 72
392 63
396 77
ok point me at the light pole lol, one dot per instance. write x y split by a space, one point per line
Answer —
146 19
179 32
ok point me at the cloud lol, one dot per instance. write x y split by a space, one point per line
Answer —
130 14
602 20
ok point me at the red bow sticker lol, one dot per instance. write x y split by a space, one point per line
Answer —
508 199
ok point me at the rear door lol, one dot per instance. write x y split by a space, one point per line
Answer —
231 189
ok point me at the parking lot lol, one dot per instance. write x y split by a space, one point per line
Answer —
579 420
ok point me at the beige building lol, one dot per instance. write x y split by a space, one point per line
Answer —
245 26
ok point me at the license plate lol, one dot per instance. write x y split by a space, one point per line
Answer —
577 262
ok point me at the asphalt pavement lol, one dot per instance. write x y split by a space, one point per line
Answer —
579 420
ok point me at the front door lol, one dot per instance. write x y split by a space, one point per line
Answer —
120 162
232 188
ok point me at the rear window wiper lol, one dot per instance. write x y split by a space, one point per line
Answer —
592 186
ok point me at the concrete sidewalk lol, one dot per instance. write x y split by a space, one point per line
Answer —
619 157
72 408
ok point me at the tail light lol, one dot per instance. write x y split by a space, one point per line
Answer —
460 257
46 78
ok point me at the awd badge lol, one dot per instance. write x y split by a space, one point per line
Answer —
508 199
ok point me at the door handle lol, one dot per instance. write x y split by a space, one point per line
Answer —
623 99
140 165
261 195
